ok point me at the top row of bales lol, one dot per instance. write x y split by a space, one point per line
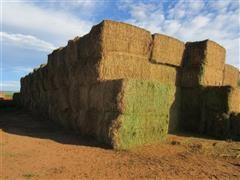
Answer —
210 93
204 65
115 50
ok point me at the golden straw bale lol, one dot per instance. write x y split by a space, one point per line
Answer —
167 50
203 64
234 100
230 76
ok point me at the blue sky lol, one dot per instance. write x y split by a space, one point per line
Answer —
30 30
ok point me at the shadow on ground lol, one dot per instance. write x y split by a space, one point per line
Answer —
15 120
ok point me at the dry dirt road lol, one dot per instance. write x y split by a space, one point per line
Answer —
35 149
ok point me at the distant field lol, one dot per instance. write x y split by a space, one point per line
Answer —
6 94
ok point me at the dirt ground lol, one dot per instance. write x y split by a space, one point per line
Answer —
35 149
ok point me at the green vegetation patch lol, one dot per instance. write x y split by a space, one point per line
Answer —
146 113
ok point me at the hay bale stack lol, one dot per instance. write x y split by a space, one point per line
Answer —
122 85
203 64
230 76
167 50
81 87
125 113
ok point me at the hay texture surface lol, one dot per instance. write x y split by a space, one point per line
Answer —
207 110
167 50
145 113
126 87
230 76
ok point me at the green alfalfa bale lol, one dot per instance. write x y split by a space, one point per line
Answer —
145 113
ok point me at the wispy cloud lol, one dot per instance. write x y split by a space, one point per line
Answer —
45 22
21 69
191 21
84 6
9 86
26 41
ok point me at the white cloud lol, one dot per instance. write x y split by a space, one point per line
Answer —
9 86
191 21
50 22
22 69
86 5
26 41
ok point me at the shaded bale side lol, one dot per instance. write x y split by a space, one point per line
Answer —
191 77
89 46
203 64
230 76
167 50
235 125
205 52
103 96
215 117
202 76
52 80
191 102
17 99
59 106
61 76
98 103
87 74
175 112
206 110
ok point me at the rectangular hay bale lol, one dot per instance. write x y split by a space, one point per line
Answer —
230 76
145 113
234 100
167 50
203 64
